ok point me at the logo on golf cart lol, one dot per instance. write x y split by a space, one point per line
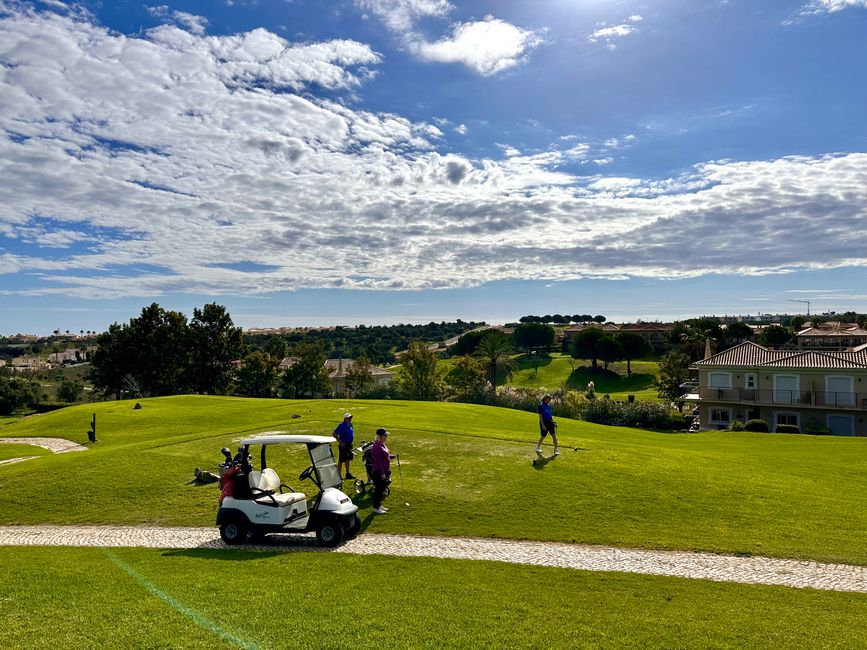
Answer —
263 515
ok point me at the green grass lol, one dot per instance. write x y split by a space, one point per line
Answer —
555 370
9 450
467 471
136 598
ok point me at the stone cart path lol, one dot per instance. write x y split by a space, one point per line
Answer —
707 566
54 445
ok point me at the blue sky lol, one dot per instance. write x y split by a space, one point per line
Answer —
314 162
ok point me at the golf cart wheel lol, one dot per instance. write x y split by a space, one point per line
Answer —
233 532
329 533
359 486
353 528
386 491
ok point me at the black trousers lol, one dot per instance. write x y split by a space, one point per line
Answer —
378 489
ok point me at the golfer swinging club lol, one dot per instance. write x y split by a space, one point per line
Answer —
547 424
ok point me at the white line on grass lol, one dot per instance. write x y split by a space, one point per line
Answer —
179 607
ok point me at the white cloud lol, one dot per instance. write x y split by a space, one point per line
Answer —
193 23
402 15
821 7
610 34
461 129
488 46
134 166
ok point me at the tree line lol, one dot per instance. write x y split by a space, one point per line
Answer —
161 352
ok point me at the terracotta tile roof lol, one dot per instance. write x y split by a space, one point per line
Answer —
753 355
843 333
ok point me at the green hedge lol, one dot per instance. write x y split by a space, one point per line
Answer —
757 425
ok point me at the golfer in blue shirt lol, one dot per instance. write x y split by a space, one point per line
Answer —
345 434
547 424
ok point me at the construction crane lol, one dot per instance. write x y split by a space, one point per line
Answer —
806 302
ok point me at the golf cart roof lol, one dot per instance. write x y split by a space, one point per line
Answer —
280 439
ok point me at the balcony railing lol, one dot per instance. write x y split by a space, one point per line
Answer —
823 399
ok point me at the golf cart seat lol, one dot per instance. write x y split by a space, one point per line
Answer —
266 489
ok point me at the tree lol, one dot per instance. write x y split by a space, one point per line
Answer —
215 343
159 356
634 346
468 342
359 378
70 390
17 393
609 350
673 371
307 377
586 344
533 336
599 319
775 336
738 333
277 347
110 362
468 377
495 350
258 374
419 376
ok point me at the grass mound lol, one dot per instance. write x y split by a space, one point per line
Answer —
467 470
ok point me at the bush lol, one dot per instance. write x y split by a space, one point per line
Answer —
817 428
737 425
647 415
757 425
787 428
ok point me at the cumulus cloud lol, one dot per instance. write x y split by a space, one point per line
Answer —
402 15
822 7
610 34
180 162
487 46
193 23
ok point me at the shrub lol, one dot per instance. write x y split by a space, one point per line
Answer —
787 428
757 425
648 415
817 428
737 425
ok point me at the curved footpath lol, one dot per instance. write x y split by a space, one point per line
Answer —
707 566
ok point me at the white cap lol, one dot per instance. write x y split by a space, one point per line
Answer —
347 415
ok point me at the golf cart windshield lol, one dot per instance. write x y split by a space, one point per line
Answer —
326 468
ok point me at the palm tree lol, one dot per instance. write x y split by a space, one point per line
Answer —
494 350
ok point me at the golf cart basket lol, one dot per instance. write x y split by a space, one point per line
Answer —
361 486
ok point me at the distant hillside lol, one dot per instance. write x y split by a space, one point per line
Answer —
378 342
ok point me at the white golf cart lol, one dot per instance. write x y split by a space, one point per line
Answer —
262 504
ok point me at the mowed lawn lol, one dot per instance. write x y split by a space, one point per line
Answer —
558 370
145 598
466 470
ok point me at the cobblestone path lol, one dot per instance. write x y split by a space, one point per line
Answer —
708 566
54 445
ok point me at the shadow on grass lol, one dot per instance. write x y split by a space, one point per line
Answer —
540 461
608 381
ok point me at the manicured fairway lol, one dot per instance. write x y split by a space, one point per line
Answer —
556 371
466 471
126 598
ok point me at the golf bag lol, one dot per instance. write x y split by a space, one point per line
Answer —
366 450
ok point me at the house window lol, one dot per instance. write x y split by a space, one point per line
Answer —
720 380
720 416
839 390
787 418
786 389
841 425
750 380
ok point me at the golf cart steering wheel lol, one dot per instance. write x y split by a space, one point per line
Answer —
307 473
